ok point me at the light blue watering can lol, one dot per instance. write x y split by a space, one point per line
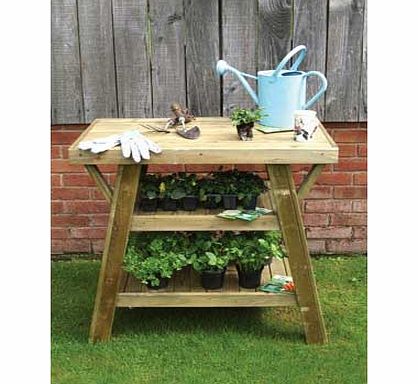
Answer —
280 92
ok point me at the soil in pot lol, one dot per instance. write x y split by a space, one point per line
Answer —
212 201
250 204
169 205
249 279
163 284
212 279
230 201
245 131
190 203
149 205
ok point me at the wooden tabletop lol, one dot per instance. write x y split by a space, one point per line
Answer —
217 144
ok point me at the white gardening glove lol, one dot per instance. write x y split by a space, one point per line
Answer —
135 144
132 143
100 145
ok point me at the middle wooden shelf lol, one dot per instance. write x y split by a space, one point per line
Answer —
203 220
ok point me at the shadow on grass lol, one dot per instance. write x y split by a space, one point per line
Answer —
261 322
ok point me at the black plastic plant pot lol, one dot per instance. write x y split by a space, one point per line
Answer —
163 284
230 201
250 204
211 202
249 279
212 279
149 205
190 203
169 205
245 131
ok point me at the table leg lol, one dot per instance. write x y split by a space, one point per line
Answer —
122 206
287 207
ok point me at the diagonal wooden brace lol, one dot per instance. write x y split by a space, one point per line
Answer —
104 187
309 180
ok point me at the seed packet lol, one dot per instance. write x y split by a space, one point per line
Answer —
278 284
246 215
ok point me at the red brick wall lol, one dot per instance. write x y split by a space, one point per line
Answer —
335 212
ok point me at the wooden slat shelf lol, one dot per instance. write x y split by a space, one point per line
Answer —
185 290
203 220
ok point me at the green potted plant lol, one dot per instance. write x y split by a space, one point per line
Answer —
170 192
189 184
149 192
244 120
250 186
209 193
251 252
154 260
206 256
227 186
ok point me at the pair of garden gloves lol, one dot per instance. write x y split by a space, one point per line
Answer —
133 144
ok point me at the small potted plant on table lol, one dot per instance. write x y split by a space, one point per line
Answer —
170 193
207 258
149 193
244 120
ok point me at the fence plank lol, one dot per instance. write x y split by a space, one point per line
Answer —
167 57
275 32
131 58
239 38
311 30
345 26
202 52
66 91
363 87
97 58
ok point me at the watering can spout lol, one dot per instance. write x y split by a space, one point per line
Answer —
222 67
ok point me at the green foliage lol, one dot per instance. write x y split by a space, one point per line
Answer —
170 188
209 186
188 183
156 256
252 250
244 184
149 187
206 252
245 116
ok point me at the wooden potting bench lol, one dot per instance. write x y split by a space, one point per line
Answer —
218 144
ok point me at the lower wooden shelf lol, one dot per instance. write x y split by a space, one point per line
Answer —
185 290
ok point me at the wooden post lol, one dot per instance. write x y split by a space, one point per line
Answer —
121 211
288 211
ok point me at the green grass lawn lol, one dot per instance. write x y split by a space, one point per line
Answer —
233 345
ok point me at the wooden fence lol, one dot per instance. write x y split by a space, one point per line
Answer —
132 58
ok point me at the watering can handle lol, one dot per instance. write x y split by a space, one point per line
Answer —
294 67
321 90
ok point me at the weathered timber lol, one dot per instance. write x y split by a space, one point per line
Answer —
130 24
310 29
166 45
202 52
239 48
66 92
344 60
97 59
